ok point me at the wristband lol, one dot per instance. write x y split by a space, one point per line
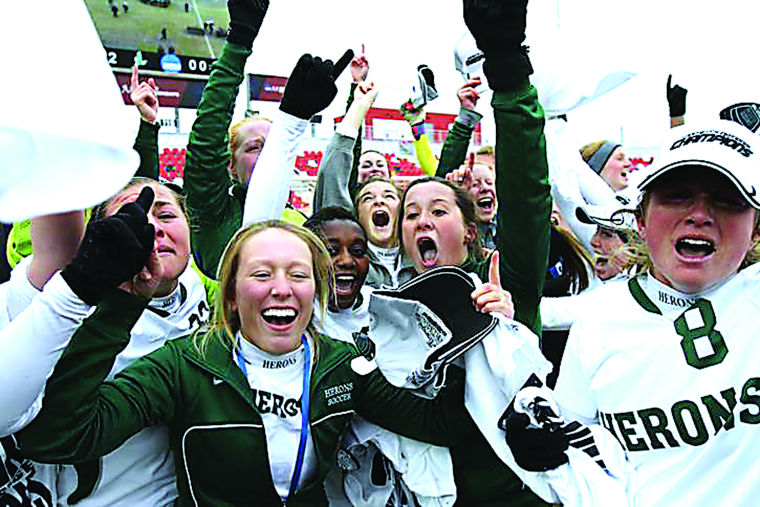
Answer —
418 130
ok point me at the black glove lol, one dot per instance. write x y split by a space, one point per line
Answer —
498 27
113 251
311 85
246 17
676 99
535 450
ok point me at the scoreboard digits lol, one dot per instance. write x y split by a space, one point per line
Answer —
170 63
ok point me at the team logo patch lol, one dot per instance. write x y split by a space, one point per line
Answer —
364 343
339 393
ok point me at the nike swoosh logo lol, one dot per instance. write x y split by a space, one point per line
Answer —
216 381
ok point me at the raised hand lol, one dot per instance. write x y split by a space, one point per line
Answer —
461 177
413 115
359 68
311 86
467 94
145 96
498 27
676 98
114 249
490 297
246 17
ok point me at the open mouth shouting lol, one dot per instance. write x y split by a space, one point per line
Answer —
380 218
428 252
346 285
279 319
695 249
600 263
486 204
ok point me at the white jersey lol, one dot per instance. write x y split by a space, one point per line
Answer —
342 324
674 378
141 471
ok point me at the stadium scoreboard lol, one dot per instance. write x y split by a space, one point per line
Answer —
168 63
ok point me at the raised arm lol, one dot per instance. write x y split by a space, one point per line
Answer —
113 249
333 185
145 97
310 89
80 419
454 149
55 240
415 116
83 417
216 214
522 177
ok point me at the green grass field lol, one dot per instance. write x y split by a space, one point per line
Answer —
140 28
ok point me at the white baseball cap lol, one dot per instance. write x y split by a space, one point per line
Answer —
722 145
65 135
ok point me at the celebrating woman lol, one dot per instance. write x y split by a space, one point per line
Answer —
262 389
665 361
139 470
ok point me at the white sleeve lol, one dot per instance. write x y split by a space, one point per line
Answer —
269 186
17 293
560 313
30 346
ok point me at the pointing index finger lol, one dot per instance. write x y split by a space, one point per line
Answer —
145 199
342 63
670 77
133 83
493 270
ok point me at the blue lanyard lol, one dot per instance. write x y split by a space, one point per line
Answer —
305 395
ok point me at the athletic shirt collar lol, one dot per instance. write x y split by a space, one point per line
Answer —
656 297
668 300
386 255
172 302
256 358
389 258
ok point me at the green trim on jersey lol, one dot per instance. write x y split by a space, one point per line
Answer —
640 296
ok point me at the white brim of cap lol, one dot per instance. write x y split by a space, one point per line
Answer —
749 195
604 217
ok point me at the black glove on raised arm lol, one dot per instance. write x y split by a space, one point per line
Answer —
498 27
114 249
311 85
676 99
246 17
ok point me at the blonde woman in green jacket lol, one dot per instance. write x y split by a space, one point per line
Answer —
254 406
